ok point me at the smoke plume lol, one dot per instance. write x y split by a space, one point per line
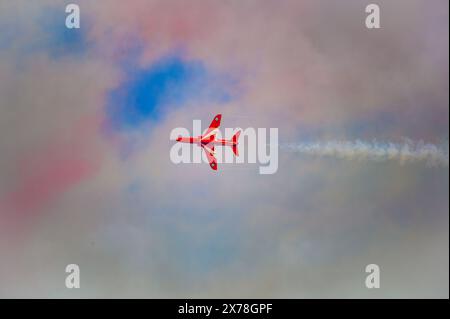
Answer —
405 152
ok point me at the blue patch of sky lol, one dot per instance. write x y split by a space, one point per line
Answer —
147 93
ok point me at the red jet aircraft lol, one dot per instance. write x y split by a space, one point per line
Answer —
208 140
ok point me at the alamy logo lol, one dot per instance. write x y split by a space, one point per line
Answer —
373 279
235 146
373 17
73 17
73 279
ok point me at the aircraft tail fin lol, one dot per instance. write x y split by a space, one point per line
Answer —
235 143
236 137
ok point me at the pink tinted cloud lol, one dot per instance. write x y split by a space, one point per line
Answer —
160 26
46 173
51 177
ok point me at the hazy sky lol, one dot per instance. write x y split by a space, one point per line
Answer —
85 174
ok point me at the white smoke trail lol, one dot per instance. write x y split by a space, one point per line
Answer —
408 151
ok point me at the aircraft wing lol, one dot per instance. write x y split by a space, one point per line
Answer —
213 126
210 155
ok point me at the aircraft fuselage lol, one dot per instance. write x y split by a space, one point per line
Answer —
201 141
